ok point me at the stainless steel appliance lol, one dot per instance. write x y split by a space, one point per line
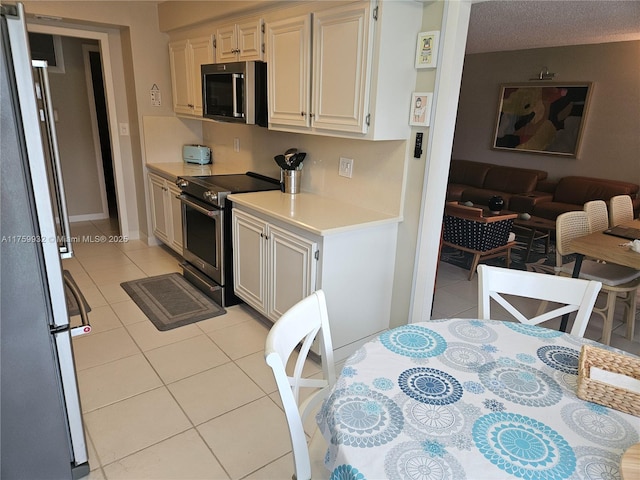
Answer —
235 92
42 434
206 227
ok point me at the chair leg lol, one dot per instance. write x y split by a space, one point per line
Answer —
607 326
474 265
631 313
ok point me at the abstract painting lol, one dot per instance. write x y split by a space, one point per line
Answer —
542 118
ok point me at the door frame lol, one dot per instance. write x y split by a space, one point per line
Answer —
105 50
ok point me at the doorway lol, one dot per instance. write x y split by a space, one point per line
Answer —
115 202
98 105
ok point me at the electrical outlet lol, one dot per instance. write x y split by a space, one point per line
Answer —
124 129
346 167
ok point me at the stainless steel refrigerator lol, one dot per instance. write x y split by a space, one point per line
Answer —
41 429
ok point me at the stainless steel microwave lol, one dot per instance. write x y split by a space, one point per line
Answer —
235 92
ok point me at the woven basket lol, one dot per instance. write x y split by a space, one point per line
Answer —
604 393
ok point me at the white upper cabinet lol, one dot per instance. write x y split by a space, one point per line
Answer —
362 76
185 58
240 42
289 72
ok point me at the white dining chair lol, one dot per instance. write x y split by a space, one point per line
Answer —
597 215
300 325
618 282
573 295
620 210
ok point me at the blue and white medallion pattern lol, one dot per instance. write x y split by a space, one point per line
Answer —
413 461
520 384
363 420
533 331
594 463
474 331
523 447
599 424
476 399
429 385
414 341
464 357
560 358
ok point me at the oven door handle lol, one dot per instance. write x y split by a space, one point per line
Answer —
199 208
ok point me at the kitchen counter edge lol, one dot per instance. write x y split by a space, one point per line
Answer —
313 213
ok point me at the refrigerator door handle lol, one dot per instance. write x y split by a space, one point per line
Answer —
71 397
43 93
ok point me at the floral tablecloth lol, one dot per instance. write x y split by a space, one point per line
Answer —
474 399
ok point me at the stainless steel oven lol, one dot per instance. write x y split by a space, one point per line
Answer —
206 228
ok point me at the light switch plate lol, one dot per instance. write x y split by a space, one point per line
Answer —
346 167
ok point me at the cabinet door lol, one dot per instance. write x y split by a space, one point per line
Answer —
175 217
291 270
181 85
226 44
249 40
341 73
249 259
201 54
158 212
288 53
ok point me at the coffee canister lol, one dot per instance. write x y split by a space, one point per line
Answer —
291 180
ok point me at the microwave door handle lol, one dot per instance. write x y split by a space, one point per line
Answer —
237 78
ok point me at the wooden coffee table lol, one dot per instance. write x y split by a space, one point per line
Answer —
538 228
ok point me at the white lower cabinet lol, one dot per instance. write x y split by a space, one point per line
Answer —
166 211
276 264
273 268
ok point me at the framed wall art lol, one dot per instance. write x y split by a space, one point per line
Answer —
420 108
545 118
427 49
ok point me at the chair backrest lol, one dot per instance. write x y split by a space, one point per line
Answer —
300 325
569 225
597 215
620 210
573 295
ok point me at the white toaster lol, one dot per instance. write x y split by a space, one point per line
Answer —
196 154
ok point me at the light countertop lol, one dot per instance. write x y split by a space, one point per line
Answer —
314 213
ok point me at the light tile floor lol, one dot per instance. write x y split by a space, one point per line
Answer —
196 402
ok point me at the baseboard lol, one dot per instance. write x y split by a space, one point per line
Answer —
88 217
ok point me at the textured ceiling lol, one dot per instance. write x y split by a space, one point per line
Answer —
500 25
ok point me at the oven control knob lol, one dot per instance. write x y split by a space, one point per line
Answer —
181 183
210 196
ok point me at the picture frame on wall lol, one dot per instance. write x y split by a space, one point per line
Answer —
421 108
546 118
427 49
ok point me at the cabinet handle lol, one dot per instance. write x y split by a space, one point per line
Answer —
302 114
189 105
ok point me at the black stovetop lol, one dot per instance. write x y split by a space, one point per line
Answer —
223 185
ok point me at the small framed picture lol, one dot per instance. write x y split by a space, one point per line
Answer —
427 49
420 109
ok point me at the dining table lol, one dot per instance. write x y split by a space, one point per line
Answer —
605 247
608 248
470 399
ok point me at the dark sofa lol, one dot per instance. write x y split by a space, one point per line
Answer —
477 182
571 193
527 190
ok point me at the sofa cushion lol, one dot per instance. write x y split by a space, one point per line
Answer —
510 180
579 190
550 210
468 173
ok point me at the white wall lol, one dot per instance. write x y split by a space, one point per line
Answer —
74 132
611 139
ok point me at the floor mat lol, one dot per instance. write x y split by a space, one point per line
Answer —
170 301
